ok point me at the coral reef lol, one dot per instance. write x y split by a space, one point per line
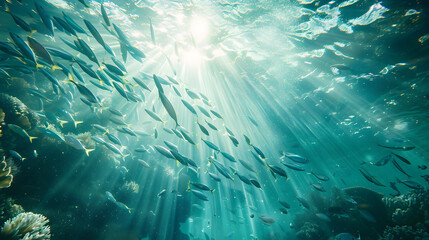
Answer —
5 174
310 231
409 215
409 209
17 112
8 209
418 232
27 226
355 210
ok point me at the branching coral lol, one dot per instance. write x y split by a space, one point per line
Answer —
26 226
410 213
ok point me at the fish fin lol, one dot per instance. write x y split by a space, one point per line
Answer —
212 190
7 7
76 123
87 151
55 67
31 139
177 162
22 159
39 66
32 32
163 123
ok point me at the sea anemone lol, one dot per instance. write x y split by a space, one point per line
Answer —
27 226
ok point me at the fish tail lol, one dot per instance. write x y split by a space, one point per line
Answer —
212 190
87 151
22 159
76 123
7 7
39 66
32 32
55 67
177 162
31 139
62 123
163 123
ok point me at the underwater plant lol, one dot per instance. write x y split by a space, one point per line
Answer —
27 226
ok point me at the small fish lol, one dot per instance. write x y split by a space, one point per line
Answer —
154 115
221 168
46 19
41 51
75 143
318 187
104 14
410 184
16 155
21 132
370 178
293 166
163 191
114 139
164 151
218 116
233 140
243 178
383 161
323 217
201 186
285 204
23 46
256 183
320 176
211 145
211 126
199 195
247 140
303 202
296 158
346 236
396 164
214 177
189 107
152 33
283 210
204 111
169 107
402 159
187 137
267 220
393 186
403 148
121 90
203 129
113 148
144 163
228 156
192 94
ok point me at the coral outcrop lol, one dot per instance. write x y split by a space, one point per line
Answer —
26 226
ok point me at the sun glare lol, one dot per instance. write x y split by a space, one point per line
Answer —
199 27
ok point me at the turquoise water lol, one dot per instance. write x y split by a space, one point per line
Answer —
214 119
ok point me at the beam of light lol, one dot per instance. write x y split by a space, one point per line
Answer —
199 28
